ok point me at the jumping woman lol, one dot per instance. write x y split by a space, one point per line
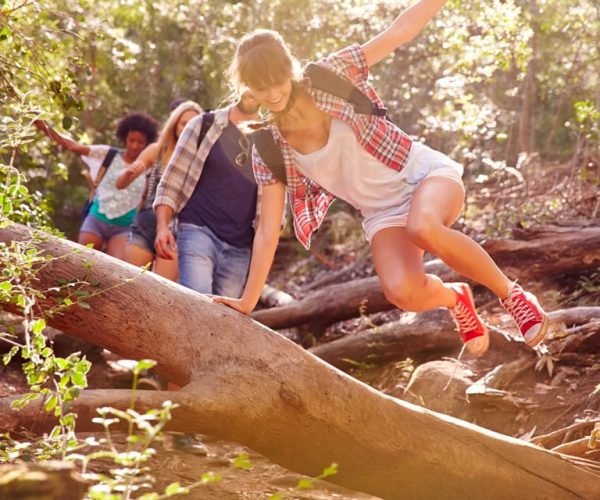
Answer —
409 194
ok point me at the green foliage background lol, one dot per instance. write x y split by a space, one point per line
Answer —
485 79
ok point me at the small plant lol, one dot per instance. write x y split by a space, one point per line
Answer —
308 483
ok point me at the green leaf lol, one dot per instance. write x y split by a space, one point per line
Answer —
5 33
38 326
79 379
242 461
9 355
56 432
175 489
305 484
144 364
62 363
84 305
50 403
210 477
67 122
6 286
329 471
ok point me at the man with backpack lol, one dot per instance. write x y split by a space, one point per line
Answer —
209 186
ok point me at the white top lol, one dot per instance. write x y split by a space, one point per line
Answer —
345 169
113 202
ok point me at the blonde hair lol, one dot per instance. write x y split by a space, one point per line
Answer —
168 135
262 59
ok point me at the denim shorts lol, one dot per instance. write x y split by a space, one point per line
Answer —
142 231
422 163
209 265
106 231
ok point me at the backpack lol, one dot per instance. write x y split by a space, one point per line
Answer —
327 81
108 159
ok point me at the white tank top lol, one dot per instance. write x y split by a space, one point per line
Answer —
345 169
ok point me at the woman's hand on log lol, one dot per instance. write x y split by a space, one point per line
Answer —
237 304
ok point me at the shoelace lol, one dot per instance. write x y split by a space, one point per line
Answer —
465 318
520 309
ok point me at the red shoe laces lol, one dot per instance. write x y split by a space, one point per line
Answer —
465 318
521 308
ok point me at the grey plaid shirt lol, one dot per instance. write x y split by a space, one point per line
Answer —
187 162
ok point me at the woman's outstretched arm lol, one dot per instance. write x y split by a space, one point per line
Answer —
143 162
62 140
404 28
265 243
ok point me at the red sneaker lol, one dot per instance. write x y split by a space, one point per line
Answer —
529 315
471 329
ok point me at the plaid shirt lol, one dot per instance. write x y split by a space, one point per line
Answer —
185 167
382 139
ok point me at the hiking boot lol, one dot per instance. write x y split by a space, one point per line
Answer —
527 312
189 444
471 329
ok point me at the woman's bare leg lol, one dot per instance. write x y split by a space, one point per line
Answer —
167 268
116 246
436 204
93 238
399 265
137 256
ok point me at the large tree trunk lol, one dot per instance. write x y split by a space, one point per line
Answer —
248 384
552 254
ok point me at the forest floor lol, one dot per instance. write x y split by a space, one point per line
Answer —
542 397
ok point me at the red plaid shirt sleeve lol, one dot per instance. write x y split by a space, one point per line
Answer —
351 62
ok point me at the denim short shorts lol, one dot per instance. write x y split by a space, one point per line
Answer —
106 231
422 163
142 231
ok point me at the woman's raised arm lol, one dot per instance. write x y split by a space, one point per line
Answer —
143 162
404 28
62 140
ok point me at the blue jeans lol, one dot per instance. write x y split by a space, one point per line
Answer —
208 264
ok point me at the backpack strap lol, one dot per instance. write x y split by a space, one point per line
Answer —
108 159
270 153
207 120
326 80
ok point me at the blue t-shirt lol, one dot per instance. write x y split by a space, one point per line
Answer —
224 199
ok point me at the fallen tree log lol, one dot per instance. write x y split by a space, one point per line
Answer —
339 302
552 254
248 384
433 334
564 252
418 336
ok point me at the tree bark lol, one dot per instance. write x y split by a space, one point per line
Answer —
556 254
562 253
41 481
248 384
420 337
